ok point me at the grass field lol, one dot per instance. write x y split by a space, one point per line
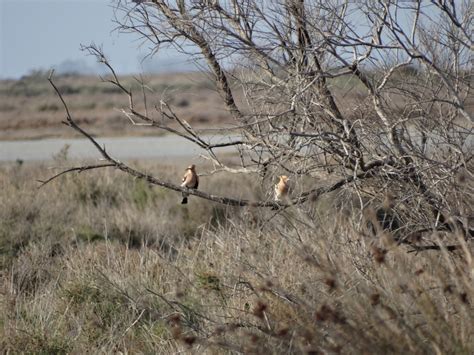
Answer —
100 262
29 108
363 115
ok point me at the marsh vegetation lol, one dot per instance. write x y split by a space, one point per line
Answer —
99 262
362 105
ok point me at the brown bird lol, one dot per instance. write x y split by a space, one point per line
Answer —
282 188
190 181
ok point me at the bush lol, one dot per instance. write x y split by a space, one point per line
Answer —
48 107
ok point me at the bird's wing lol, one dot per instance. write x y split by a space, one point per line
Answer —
187 178
191 180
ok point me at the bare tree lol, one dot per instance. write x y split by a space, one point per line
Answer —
371 96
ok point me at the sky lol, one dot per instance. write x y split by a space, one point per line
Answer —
45 34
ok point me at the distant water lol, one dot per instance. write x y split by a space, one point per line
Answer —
166 147
117 147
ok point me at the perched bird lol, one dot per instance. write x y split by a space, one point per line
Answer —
282 188
190 181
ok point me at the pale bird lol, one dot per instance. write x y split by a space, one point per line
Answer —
190 181
282 188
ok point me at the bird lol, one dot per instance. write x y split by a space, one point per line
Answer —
282 188
190 181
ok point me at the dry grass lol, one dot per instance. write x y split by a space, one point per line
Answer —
29 108
100 262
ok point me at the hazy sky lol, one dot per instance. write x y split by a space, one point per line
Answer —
42 34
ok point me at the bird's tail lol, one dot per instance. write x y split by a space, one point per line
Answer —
185 198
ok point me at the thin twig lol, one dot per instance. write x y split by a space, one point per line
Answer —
79 169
